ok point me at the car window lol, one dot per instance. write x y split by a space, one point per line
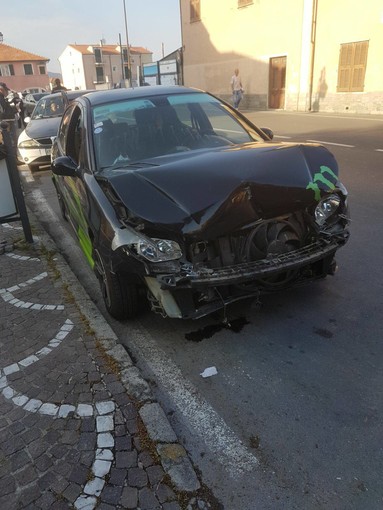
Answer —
73 138
63 129
132 130
48 107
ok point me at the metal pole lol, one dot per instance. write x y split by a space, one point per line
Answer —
122 62
127 45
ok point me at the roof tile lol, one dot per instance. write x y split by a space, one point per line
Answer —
11 54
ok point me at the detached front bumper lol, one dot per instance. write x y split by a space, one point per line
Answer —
174 291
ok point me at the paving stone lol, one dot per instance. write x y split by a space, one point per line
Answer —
7 485
29 495
118 476
126 459
19 460
155 474
72 492
88 425
123 443
137 477
43 463
45 501
147 500
164 493
26 475
94 487
173 505
129 498
47 481
104 423
79 475
87 441
111 495
145 459
101 467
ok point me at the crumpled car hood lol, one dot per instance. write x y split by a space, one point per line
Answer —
205 194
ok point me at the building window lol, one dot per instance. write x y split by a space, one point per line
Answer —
352 66
28 69
243 3
7 70
195 10
42 70
100 74
98 55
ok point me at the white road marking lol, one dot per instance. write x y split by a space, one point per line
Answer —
206 423
284 137
8 296
331 143
103 411
379 150
27 174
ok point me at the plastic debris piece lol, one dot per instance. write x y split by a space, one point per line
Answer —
208 372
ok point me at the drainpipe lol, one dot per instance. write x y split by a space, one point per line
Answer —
313 41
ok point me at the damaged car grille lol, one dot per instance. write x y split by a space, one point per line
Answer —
253 270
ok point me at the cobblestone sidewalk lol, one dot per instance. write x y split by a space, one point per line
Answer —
78 426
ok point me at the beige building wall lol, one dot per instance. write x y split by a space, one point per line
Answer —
72 70
339 23
228 36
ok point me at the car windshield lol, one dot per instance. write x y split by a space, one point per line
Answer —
48 107
127 132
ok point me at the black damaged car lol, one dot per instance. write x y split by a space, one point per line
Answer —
177 198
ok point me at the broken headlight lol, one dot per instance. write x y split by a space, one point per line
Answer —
158 250
326 208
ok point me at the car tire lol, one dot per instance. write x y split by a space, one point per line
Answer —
120 297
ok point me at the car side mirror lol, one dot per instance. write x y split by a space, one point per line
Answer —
268 132
64 165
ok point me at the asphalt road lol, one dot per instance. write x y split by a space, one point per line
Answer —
293 418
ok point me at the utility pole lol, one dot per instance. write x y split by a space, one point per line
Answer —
127 45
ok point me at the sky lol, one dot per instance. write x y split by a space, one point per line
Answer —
46 27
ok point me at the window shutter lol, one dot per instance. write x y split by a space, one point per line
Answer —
242 3
359 69
352 66
195 10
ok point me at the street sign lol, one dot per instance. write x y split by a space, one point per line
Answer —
7 202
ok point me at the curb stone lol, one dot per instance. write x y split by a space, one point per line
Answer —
173 456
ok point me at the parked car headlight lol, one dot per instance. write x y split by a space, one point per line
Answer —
158 250
29 144
326 208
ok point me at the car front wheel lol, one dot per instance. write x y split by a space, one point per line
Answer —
120 297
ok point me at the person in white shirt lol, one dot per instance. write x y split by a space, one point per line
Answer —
237 89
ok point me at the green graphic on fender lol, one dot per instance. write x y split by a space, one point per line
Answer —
319 177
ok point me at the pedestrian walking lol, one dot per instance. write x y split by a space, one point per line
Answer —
236 88
8 113
58 86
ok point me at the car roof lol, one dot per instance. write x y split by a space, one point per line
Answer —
113 95
70 94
